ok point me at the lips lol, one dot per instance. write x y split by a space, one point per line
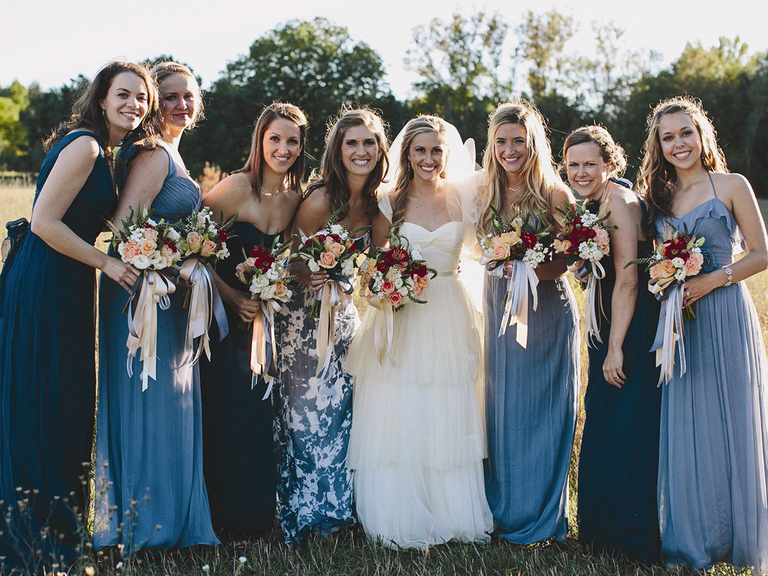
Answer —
361 161
682 156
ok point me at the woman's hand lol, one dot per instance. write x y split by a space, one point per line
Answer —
577 268
699 286
509 267
613 368
317 280
122 273
241 303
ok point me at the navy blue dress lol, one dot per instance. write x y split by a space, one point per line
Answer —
47 365
238 448
620 444
150 491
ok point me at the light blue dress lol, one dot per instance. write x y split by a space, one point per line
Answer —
530 406
713 457
150 491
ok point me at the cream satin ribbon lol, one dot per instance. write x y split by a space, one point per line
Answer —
331 296
522 279
262 339
594 300
204 304
383 326
670 331
151 290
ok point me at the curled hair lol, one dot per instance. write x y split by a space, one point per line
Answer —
612 154
657 175
539 172
254 165
164 70
333 175
87 113
399 194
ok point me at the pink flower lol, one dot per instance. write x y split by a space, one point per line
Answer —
337 249
603 240
396 299
693 264
194 241
387 287
562 246
208 248
150 234
420 283
129 250
148 246
327 260
500 252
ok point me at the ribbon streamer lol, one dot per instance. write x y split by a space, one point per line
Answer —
334 292
596 273
670 331
522 279
262 339
204 304
151 290
383 327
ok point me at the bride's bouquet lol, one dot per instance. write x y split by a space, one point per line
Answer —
390 278
267 281
333 250
676 258
517 241
203 241
152 247
584 240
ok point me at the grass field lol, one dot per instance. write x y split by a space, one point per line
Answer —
349 553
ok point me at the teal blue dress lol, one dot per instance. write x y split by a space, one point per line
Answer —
238 449
149 491
47 370
620 443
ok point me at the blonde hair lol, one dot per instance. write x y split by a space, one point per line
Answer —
539 172
333 176
399 195
164 70
657 175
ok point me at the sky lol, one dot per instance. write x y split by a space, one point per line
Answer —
52 41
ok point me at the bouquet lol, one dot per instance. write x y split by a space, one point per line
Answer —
390 278
584 240
678 257
517 241
267 281
152 247
333 250
203 241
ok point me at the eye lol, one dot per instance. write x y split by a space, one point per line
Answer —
370 142
500 142
274 138
141 97
293 141
351 143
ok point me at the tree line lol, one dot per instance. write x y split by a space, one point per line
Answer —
465 66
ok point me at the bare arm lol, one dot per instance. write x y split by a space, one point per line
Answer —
380 227
65 181
312 215
738 193
145 179
626 213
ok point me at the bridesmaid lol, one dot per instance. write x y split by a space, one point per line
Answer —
531 393
47 365
713 455
238 454
149 468
314 415
620 443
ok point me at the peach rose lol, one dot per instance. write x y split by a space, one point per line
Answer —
420 283
387 287
337 249
510 238
194 241
150 234
166 252
148 246
562 246
327 260
130 249
208 248
280 290
396 300
693 264
603 240
500 252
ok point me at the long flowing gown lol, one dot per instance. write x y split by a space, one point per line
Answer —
530 408
238 450
620 443
713 456
47 370
149 490
313 417
417 442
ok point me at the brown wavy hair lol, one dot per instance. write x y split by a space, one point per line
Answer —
164 70
657 176
539 172
254 165
333 176
399 194
87 113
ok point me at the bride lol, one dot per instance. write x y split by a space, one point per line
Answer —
417 441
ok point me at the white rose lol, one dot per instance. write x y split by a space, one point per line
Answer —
337 229
403 291
141 262
398 283
260 281
223 252
348 267
313 265
268 292
272 273
151 222
173 235
678 262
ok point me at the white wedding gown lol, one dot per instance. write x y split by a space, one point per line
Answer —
418 442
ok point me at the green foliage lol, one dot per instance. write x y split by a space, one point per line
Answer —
13 138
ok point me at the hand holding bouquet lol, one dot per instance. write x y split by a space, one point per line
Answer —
515 241
584 240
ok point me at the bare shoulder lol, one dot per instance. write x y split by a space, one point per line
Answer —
561 196
82 149
731 183
155 159
233 190
317 200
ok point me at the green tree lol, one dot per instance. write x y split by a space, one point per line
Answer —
13 138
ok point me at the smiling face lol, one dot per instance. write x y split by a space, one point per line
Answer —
125 105
281 145
680 140
427 155
179 95
587 171
359 150
510 146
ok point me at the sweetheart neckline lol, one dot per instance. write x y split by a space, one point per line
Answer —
427 229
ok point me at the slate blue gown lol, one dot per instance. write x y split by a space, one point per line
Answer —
619 458
238 449
713 455
47 368
149 445
531 396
